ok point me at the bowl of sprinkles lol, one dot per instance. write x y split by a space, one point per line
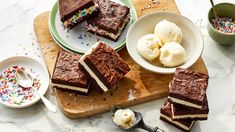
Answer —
11 93
222 28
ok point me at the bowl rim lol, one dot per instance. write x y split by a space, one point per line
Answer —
171 70
209 23
43 92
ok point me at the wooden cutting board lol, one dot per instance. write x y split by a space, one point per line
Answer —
138 86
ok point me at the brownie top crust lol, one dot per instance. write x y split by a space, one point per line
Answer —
67 70
111 15
166 110
107 63
69 7
184 110
188 85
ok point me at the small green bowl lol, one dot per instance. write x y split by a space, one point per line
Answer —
222 10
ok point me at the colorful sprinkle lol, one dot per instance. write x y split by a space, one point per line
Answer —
224 24
11 92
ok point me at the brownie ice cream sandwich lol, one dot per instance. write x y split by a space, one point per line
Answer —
68 74
104 66
166 115
188 88
111 20
73 12
182 112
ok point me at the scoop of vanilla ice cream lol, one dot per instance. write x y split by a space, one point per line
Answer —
172 54
168 32
124 118
148 46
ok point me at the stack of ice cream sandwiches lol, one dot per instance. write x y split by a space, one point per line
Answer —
104 17
100 67
187 100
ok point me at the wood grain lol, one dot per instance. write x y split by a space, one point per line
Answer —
138 86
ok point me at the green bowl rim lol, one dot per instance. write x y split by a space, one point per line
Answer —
209 23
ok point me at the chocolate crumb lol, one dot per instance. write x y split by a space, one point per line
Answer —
80 37
90 123
92 100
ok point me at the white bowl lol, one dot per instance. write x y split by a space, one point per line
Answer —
28 63
192 39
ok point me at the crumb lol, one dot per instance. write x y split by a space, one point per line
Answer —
90 123
92 100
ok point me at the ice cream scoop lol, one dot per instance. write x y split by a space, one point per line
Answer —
172 54
148 46
167 32
136 118
124 118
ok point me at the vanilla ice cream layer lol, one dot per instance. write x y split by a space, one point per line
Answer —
104 32
84 90
92 74
186 103
187 116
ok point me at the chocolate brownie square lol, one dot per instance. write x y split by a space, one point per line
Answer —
111 20
188 88
73 12
104 65
166 115
182 112
68 74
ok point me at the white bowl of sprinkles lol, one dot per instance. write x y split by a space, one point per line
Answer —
11 93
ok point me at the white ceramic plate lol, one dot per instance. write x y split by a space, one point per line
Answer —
192 39
78 40
28 63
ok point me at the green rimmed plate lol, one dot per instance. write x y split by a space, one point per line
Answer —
70 50
78 40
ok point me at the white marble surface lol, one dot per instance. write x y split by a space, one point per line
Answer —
17 38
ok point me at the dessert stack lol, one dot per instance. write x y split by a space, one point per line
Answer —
100 67
187 100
